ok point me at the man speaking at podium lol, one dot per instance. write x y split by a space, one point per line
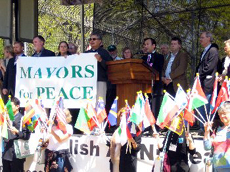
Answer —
155 61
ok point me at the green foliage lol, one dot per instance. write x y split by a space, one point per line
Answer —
58 23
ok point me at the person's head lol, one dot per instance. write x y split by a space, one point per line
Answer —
15 103
63 48
95 40
8 51
224 113
227 47
126 53
68 115
175 44
205 39
18 47
72 48
164 49
38 42
144 49
112 49
150 44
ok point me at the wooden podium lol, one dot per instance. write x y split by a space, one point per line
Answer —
131 76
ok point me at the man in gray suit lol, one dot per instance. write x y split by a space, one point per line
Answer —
207 68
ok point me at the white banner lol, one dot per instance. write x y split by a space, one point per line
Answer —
90 154
74 77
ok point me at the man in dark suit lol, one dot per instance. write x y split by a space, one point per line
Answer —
155 61
207 67
9 160
10 75
40 51
174 70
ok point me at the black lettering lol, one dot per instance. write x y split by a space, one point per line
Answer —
71 146
144 150
108 153
92 147
76 147
84 150
196 158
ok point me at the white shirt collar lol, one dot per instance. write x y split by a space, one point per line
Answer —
206 48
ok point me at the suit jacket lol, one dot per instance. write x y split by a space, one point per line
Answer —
157 61
10 77
9 152
45 53
207 68
178 70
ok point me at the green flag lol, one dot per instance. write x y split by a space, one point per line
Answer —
82 121
136 115
10 110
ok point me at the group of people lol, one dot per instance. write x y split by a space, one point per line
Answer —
54 141
172 68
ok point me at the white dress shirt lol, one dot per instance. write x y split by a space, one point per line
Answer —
205 50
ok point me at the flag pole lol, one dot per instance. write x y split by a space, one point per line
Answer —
191 113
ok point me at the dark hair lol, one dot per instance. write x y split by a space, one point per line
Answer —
20 43
123 51
177 39
16 101
68 53
152 41
97 34
63 42
40 37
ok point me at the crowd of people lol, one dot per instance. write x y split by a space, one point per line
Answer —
171 64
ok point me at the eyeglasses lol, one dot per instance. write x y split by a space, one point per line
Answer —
93 39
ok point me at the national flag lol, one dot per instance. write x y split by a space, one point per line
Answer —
123 129
101 113
177 124
60 116
2 106
82 121
222 96
189 115
91 112
4 128
2 110
10 110
32 123
112 117
214 93
181 98
136 113
167 111
29 112
148 112
197 97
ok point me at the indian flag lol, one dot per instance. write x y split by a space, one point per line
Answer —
168 110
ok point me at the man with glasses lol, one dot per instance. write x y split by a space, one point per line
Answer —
102 57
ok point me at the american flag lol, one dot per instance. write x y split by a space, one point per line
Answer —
60 116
